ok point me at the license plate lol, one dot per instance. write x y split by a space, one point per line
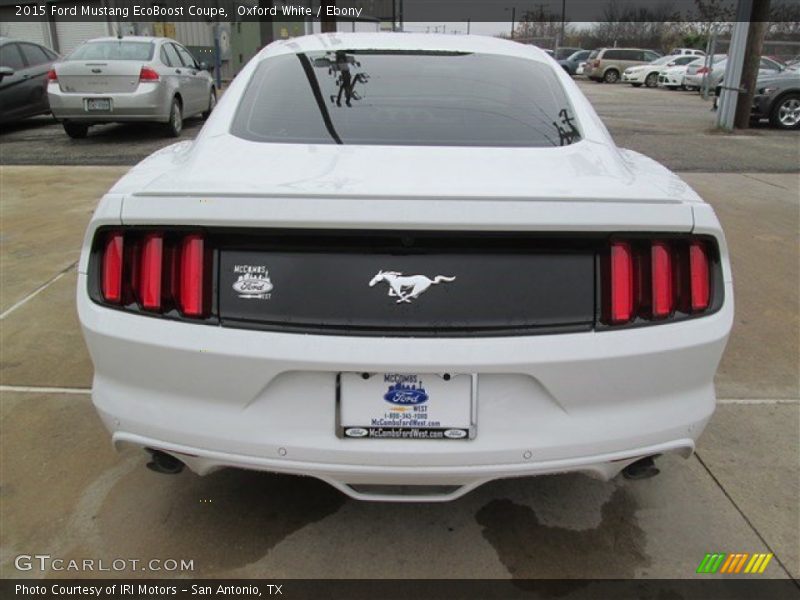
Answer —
414 406
98 104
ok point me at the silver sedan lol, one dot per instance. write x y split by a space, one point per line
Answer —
125 79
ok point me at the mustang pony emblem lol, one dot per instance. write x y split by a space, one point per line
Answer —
406 287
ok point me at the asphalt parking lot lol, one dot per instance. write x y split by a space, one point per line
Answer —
65 492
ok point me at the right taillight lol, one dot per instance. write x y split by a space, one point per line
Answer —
621 297
148 74
155 271
52 75
656 279
699 275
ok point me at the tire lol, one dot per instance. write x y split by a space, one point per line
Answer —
76 131
174 126
651 80
636 84
611 76
212 103
785 113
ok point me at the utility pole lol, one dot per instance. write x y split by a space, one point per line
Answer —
563 21
759 16
513 18
733 68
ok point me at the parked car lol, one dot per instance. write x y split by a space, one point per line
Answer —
674 77
715 74
648 74
300 289
564 52
695 71
608 64
573 61
686 52
23 79
778 99
117 80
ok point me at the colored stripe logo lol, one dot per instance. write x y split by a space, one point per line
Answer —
736 562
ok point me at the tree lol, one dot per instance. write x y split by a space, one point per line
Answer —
540 23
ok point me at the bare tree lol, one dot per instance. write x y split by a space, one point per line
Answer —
540 23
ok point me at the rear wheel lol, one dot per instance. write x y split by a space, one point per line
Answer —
76 130
611 76
786 112
651 80
212 102
175 124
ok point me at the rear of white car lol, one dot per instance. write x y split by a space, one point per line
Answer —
129 79
405 321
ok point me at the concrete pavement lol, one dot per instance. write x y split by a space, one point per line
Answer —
64 492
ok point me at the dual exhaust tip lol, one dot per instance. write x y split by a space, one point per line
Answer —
164 463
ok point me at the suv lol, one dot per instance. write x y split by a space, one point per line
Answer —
607 64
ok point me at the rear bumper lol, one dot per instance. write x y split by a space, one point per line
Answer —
216 397
150 102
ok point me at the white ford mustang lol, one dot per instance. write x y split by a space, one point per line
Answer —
405 265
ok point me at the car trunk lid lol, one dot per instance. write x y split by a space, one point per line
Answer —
99 76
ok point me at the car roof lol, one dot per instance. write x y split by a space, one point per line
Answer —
427 42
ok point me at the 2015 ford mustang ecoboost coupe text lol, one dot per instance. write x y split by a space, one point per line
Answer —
406 265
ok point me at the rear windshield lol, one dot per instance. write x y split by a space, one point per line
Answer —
114 50
407 99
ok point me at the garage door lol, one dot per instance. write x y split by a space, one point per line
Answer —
72 34
30 31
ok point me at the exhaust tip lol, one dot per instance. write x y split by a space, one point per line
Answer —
164 463
644 468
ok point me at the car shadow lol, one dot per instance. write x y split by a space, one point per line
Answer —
28 123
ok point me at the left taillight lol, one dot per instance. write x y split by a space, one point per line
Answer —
111 268
158 272
52 76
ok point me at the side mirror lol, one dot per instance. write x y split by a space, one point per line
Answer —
204 66
6 72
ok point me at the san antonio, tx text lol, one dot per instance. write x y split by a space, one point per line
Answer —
125 589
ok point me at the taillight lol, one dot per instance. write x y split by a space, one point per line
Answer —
148 74
661 272
51 75
646 280
699 276
703 70
155 271
111 278
192 276
150 271
621 282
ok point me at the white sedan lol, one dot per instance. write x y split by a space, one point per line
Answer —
650 73
405 265
674 77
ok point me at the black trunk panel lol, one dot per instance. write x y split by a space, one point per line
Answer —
501 286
